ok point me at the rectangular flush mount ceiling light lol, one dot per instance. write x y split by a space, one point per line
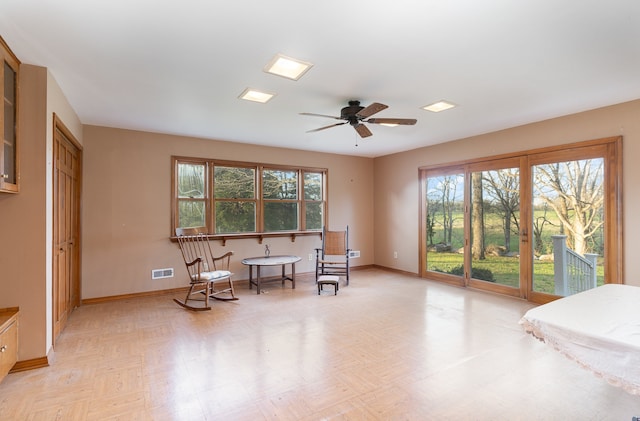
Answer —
288 67
436 107
256 96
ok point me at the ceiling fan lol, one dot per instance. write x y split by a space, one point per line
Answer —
355 114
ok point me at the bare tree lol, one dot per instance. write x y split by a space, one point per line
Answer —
538 227
504 187
477 217
430 224
449 194
574 190
442 196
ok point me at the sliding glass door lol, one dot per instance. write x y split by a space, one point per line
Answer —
495 225
570 221
537 225
445 236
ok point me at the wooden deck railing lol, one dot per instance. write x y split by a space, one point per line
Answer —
573 273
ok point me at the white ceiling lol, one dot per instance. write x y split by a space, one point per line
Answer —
178 67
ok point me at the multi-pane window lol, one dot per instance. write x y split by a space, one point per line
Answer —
234 197
191 182
313 200
234 193
280 200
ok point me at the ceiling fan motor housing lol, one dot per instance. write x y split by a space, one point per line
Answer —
349 113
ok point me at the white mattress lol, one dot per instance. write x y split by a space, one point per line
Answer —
598 328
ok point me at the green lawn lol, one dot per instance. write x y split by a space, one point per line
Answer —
505 270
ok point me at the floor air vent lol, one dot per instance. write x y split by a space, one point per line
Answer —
162 273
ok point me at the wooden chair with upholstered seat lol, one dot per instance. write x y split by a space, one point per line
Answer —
207 273
333 257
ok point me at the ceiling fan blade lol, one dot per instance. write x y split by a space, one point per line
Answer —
371 110
399 121
362 130
321 115
326 127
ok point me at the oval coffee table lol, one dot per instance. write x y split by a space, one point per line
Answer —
271 261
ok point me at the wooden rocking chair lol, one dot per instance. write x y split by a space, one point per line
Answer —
205 269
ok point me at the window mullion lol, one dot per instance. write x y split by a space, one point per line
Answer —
210 207
259 199
300 199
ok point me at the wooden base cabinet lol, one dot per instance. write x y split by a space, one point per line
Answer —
8 340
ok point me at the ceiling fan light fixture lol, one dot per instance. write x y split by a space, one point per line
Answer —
254 95
436 107
287 67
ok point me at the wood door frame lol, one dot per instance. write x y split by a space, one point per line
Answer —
58 125
518 162
610 150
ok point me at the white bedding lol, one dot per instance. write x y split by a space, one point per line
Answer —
598 328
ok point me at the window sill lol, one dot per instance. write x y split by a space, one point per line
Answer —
260 236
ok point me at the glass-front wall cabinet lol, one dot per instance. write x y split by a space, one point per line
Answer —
9 153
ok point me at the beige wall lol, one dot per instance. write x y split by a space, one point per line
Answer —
396 177
25 222
126 207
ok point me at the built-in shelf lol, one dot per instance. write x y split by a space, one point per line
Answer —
260 236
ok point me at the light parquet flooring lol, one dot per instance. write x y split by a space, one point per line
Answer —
388 347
